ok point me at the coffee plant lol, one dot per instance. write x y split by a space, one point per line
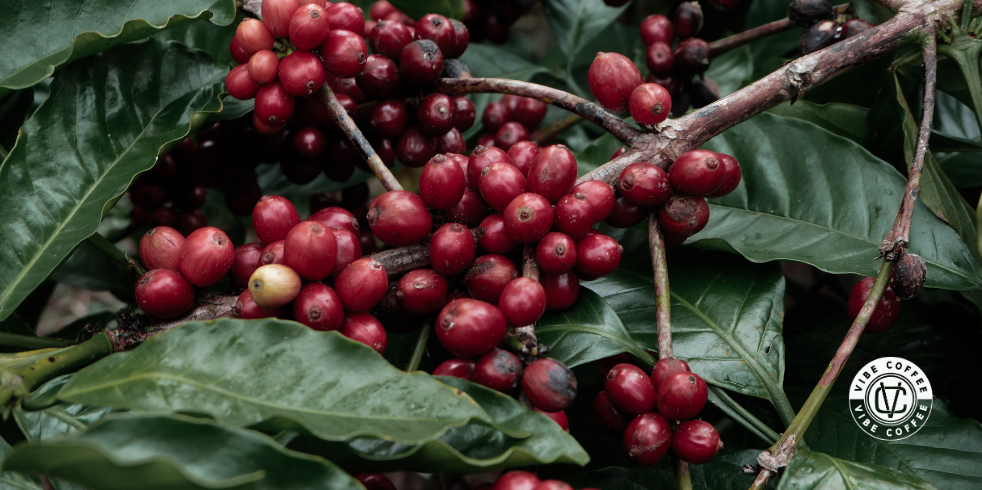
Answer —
505 245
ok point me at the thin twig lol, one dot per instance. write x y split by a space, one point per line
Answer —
547 133
721 46
420 348
663 300
683 479
124 262
526 334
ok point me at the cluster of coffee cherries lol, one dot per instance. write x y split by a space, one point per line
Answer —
511 120
824 25
524 480
656 413
906 281
169 195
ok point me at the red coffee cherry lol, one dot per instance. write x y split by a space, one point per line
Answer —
399 218
630 390
301 73
191 220
206 256
612 78
687 20
574 215
273 254
698 173
644 184
344 53
346 16
559 418
683 215
528 217
248 309
493 237
388 38
160 248
451 142
274 105
529 112
164 293
309 142
886 312
500 183
240 55
670 83
349 249
607 415
438 29
481 157
696 441
389 118
666 367
522 155
309 26
335 216
489 275
239 84
380 78
647 439
311 250
452 249
691 57
469 211
435 114
441 183
414 148
380 9
274 285
470 328
318 307
516 480
496 114
555 253
464 113
277 14
499 370
462 38
660 61
562 290
549 385
553 173
421 292
510 133
486 140
650 104
247 258
522 301
458 368
362 284
732 175
681 396
420 62
600 195
596 256
657 29
251 36
375 481
365 328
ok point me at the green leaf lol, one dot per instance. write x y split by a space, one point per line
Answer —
589 331
575 23
963 169
90 268
732 70
453 9
722 473
57 420
44 35
175 452
15 481
597 154
846 120
14 109
104 122
281 375
811 470
206 36
810 196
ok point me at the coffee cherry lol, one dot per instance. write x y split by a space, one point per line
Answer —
380 77
164 293
239 84
309 26
389 118
435 114
529 112
600 195
500 183
528 217
555 253
489 275
818 36
421 292
908 276
346 86
670 83
522 155
362 284
683 215
486 140
522 301
499 370
380 9
441 183
247 258
612 78
388 38
687 20
309 142
311 250
696 441
438 29
274 285
273 218
470 328
469 211
549 385
644 184
160 248
630 390
335 216
452 249
251 36
666 367
650 104
240 55
510 133
346 16
807 13
731 178
458 368
609 418
554 484
414 148
274 105
596 256
691 56
553 173
496 114
462 38
344 52
647 439
365 328
318 307
399 218
855 27
277 14
574 215
886 312
562 290
247 309
464 113
451 142
659 59
559 418
492 236
481 157
206 256
420 62
656 29
349 249
273 254
375 481
681 396
516 480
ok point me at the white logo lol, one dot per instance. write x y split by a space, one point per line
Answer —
890 398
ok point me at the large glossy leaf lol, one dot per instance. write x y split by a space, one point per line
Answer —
280 374
732 70
722 473
206 36
453 9
175 452
59 419
43 35
810 196
846 120
575 23
816 471
104 122
90 268
10 480
964 170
